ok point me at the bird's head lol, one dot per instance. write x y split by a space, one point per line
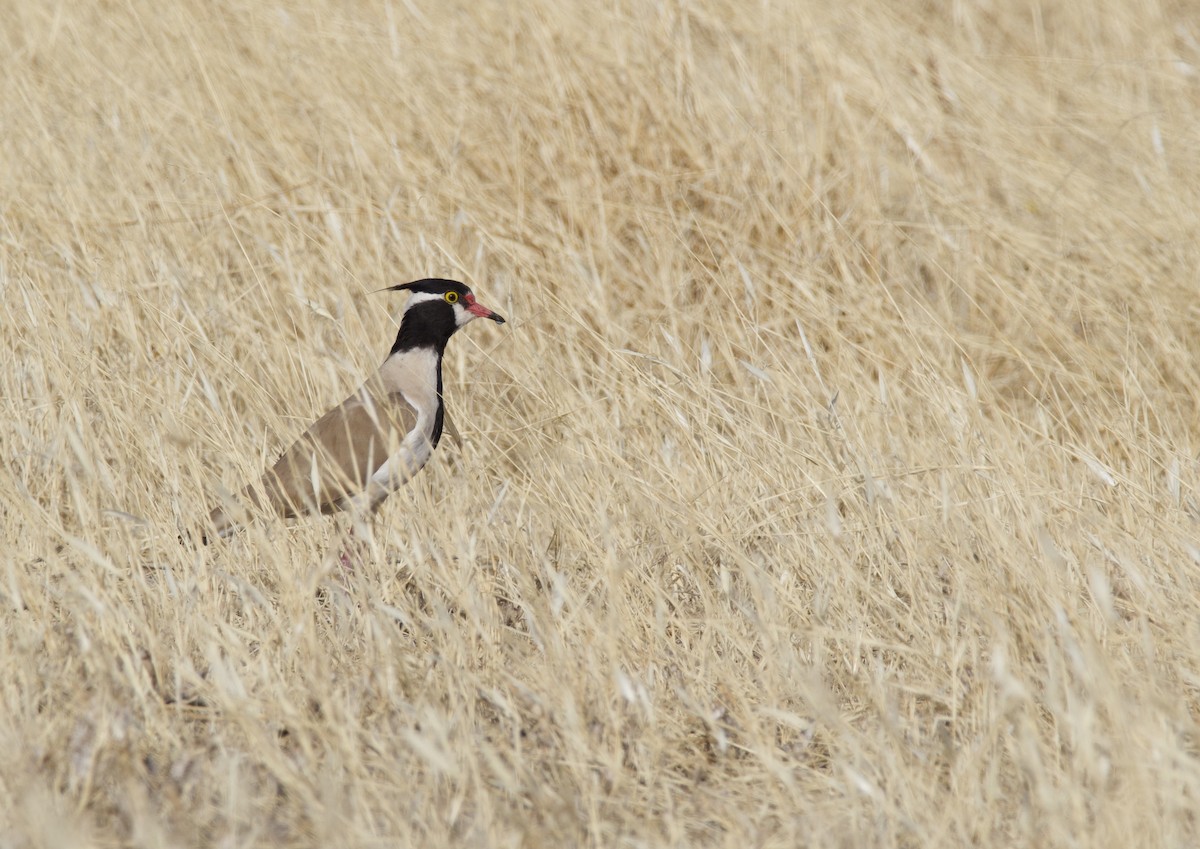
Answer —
434 310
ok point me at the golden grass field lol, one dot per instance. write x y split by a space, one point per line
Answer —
834 482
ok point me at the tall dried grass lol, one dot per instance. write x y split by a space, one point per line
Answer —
834 482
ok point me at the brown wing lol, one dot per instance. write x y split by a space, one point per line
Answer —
345 447
335 458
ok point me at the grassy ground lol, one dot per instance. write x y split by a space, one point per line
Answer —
833 483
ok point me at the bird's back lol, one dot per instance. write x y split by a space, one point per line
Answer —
338 459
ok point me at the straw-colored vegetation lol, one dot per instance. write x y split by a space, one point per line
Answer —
833 483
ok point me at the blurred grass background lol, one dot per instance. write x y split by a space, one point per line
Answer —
832 484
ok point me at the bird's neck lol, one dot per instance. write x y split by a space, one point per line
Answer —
427 324
416 373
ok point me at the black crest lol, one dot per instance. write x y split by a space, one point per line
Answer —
432 286
429 324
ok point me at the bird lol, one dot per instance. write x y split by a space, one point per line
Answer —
375 441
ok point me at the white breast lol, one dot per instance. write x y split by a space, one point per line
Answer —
413 374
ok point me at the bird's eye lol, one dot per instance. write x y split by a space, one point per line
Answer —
452 297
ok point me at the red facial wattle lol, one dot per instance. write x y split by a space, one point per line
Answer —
476 308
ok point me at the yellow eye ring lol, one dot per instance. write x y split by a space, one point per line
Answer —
452 297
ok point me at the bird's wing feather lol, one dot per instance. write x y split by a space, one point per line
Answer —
335 458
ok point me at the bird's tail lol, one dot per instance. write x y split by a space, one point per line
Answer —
220 525
231 514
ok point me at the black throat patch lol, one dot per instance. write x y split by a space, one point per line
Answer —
426 325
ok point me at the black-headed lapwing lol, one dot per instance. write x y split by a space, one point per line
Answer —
372 443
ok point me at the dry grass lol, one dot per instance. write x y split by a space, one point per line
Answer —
834 482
